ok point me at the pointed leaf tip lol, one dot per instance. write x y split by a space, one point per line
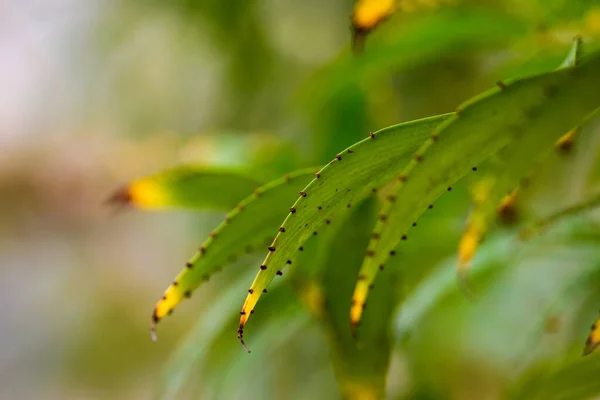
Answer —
120 197
593 340
240 337
380 158
499 117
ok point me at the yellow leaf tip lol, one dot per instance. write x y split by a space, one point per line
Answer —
565 142
593 340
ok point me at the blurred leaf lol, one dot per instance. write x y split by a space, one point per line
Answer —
562 179
282 347
366 16
361 363
336 98
542 224
574 380
411 42
187 186
212 333
520 111
250 225
342 122
510 326
593 339
350 177
442 281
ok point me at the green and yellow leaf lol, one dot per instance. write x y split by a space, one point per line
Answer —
522 111
500 191
350 177
247 228
187 186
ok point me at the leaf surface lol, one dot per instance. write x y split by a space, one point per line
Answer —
187 186
350 177
245 229
543 106
498 194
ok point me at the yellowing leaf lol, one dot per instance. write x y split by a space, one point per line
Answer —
248 227
566 141
187 186
521 114
593 339
369 13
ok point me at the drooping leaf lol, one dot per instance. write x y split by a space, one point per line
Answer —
246 228
498 193
187 186
350 177
541 107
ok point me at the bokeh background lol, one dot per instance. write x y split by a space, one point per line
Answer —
95 93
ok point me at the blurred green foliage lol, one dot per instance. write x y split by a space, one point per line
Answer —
533 299
267 87
415 64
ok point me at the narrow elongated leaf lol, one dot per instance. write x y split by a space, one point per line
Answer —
350 177
517 160
525 110
187 186
248 227
360 363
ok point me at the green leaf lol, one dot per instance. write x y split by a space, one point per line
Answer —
361 363
505 327
441 282
413 41
346 180
366 16
586 204
575 380
206 352
187 186
526 110
245 229
497 192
